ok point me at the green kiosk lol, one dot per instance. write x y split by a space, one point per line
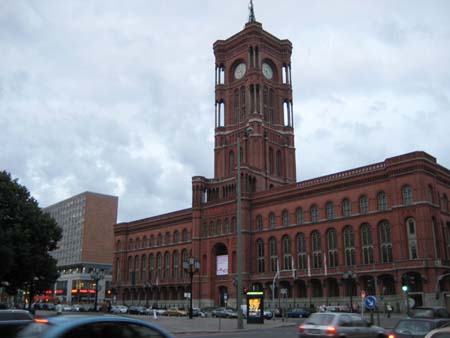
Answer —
255 307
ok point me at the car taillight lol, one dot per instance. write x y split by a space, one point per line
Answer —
301 328
391 336
331 329
41 320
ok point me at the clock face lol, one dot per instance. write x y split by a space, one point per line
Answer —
267 71
239 71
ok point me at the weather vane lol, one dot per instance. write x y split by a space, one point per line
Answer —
251 16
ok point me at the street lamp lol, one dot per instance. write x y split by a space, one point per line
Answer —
349 277
147 287
191 266
240 323
97 275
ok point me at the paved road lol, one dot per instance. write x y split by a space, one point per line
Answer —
182 326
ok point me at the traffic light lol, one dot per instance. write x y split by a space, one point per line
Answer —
405 288
109 292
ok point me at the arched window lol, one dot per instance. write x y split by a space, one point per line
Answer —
314 213
430 194
232 164
152 241
184 258
330 210
301 251
273 254
412 237
285 216
363 205
176 236
136 270
382 201
226 226
346 207
299 215
167 239
130 268
159 241
159 269
167 265
272 220
332 248
287 254
445 203
118 247
367 244
118 272
212 229
260 255
349 246
144 242
278 163
137 243
233 225
176 265
385 242
316 249
184 235
130 244
407 195
219 228
259 223
144 268
151 264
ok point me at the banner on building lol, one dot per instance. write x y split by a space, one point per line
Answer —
222 265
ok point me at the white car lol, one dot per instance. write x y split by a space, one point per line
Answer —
119 309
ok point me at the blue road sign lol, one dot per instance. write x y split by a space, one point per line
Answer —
371 302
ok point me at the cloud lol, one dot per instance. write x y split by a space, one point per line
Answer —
118 98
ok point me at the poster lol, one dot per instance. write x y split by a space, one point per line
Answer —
222 265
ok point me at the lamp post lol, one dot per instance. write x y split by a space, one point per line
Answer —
349 277
240 322
97 275
147 287
191 266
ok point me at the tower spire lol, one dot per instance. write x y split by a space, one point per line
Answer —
251 15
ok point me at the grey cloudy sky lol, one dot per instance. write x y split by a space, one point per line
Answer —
117 97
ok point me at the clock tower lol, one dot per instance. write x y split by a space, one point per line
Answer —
253 108
254 103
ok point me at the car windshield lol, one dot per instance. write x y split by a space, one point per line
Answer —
320 319
414 326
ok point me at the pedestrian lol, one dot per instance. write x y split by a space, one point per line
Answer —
59 309
388 310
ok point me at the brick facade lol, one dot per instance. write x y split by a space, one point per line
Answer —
386 223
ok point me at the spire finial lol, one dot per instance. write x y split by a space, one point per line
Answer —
251 15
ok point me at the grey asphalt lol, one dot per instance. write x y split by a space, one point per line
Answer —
184 325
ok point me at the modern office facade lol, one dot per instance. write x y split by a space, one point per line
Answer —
86 247
327 240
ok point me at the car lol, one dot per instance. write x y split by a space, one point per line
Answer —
177 312
222 312
443 332
298 313
136 310
119 309
275 312
429 312
333 324
196 312
417 327
12 321
91 326
268 314
67 308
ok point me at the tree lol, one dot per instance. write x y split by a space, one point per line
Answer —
27 235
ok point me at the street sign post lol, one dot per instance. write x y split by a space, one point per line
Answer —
371 302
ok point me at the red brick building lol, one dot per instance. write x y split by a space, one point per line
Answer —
386 223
